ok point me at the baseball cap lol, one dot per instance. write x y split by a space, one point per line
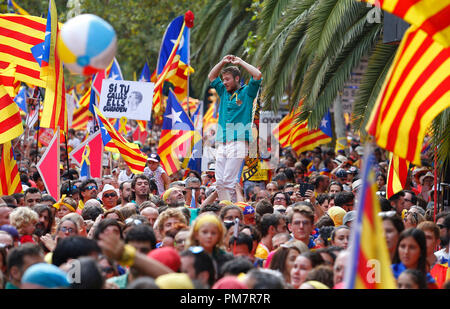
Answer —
349 216
154 157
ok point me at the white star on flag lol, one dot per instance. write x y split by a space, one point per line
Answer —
19 99
175 116
324 123
181 42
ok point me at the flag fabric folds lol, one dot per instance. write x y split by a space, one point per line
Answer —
397 175
415 91
145 76
10 120
8 80
48 166
95 144
178 136
18 34
9 173
178 71
13 7
133 157
416 88
369 264
54 113
432 16
21 99
299 137
164 69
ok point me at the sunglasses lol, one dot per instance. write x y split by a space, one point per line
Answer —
109 195
67 229
91 187
133 221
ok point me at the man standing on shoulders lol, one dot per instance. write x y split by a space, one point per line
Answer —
235 117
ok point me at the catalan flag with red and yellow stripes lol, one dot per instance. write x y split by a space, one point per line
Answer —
82 114
397 175
369 264
284 129
178 136
298 136
134 158
54 113
10 120
417 87
8 80
9 173
18 34
432 16
416 90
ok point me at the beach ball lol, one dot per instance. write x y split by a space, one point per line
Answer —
87 44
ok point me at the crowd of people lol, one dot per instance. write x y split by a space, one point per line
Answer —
155 231
208 230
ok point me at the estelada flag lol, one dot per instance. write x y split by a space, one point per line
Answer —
369 264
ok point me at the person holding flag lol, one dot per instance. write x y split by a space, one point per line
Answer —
235 120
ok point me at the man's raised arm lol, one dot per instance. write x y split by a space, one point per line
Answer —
250 68
215 71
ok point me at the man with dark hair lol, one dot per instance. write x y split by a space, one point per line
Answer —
88 190
198 265
140 189
142 238
398 202
46 218
73 247
18 261
321 184
410 199
92 211
237 266
38 181
32 196
281 180
270 225
241 245
235 120
345 200
19 198
125 192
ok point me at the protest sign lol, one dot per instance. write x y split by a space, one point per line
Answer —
122 98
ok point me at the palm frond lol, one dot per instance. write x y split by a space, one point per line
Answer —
272 11
371 83
340 73
278 78
440 140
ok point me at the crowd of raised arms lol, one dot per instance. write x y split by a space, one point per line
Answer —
154 231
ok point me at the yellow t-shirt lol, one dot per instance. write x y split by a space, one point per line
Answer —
262 251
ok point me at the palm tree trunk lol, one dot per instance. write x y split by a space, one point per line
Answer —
339 123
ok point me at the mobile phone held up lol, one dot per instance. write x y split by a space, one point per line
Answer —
305 187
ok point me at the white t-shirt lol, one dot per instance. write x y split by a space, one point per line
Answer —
124 177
